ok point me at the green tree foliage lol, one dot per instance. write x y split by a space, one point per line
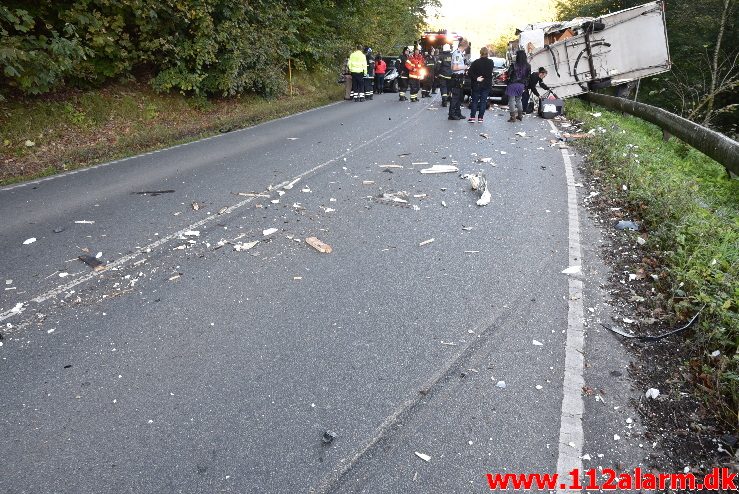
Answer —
704 46
219 47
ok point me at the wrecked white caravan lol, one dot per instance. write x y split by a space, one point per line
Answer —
592 53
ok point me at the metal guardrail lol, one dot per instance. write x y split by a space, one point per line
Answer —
711 143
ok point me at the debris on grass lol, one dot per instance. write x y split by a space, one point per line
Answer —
652 393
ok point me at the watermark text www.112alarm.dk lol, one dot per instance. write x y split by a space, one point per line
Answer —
719 479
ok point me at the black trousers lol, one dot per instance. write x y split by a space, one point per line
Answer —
357 85
455 104
415 87
444 85
402 84
368 81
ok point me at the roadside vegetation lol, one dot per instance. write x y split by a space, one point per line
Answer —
689 208
75 128
85 81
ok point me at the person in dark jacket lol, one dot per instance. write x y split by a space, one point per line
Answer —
518 76
369 76
481 79
444 73
536 79
400 64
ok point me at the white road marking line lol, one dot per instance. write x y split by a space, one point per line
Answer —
102 165
194 226
570 428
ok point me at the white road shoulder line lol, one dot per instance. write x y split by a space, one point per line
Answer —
571 436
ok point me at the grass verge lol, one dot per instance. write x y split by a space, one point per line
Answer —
690 209
74 129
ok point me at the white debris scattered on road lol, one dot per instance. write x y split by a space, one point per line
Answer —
444 204
291 184
275 201
485 198
426 242
571 444
17 309
63 275
293 138
423 456
269 231
572 270
500 384
472 252
49 331
628 321
616 437
240 247
652 393
447 343
440 169
586 457
29 241
84 222
539 387
191 233
522 134
421 163
537 343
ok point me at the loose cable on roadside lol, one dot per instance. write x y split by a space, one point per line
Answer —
656 337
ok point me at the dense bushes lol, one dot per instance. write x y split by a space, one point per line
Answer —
219 47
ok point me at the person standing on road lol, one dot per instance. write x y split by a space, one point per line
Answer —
402 74
358 69
427 84
535 79
416 69
481 78
518 76
380 69
444 71
347 80
369 76
458 68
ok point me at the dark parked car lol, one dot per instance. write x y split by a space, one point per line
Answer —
499 82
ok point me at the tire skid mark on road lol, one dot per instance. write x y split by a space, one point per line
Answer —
123 261
571 436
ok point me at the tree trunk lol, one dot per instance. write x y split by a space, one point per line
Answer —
714 64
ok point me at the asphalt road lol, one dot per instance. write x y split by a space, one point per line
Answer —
187 366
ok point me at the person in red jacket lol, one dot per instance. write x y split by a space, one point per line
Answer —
416 72
380 70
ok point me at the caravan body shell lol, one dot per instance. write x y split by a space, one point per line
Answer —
607 51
